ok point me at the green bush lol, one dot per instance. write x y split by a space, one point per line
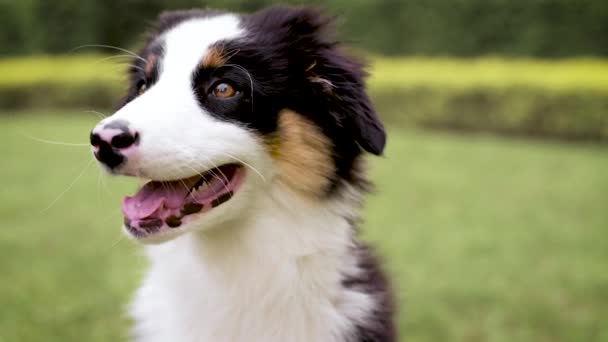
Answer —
576 115
541 28
563 99
85 81
78 95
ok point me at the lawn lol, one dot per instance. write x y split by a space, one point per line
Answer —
486 239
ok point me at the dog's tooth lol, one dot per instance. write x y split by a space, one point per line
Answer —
205 185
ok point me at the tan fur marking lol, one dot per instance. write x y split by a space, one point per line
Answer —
152 59
302 154
213 58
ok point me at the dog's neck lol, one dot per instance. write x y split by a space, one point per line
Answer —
276 271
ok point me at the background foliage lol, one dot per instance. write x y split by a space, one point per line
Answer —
558 99
486 238
541 28
510 94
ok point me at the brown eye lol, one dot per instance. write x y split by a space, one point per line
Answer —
224 91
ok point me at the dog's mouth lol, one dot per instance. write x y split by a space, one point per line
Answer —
164 205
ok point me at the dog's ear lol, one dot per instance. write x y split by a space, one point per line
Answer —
340 79
308 36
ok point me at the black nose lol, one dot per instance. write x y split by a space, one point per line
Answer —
109 156
110 142
116 133
122 140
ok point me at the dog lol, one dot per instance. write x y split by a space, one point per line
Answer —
250 131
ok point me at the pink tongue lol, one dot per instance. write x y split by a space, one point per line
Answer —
152 197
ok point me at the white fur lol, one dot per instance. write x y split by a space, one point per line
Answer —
178 135
271 276
266 265
179 138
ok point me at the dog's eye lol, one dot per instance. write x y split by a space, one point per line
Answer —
223 90
142 88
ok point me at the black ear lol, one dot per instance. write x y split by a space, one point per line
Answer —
337 77
341 80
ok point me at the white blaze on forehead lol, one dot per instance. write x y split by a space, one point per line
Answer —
187 43
179 137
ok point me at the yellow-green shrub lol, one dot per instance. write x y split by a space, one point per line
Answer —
85 81
567 98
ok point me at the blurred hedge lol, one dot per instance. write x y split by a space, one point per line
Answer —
528 111
563 99
88 81
541 28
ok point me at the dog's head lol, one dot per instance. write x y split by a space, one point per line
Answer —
223 108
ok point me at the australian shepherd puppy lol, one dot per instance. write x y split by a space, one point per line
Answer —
250 131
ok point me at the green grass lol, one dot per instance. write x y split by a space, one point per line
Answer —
486 239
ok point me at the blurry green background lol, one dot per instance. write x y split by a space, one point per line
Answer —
491 212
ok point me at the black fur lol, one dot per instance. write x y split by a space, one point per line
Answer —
296 64
379 327
298 44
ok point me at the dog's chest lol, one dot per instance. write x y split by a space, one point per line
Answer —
249 298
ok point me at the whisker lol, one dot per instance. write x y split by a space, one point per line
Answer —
136 67
99 114
200 164
201 174
114 57
204 167
185 186
98 188
191 156
198 172
69 186
192 161
121 237
223 175
165 185
52 142
247 165
121 67
248 75
102 181
110 47
231 53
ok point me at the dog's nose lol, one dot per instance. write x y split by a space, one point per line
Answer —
111 141
116 134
